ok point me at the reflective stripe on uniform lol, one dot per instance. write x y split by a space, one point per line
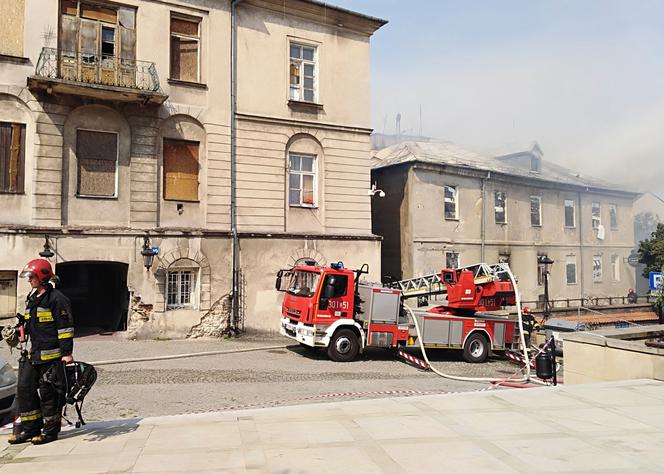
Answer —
50 354
65 333
31 415
44 315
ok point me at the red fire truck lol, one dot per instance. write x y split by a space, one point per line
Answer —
330 307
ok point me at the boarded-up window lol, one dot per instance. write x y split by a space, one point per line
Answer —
180 170
185 48
97 158
99 13
12 157
11 27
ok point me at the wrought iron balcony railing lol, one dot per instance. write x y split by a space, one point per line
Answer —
98 69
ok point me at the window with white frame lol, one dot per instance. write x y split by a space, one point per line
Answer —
180 289
615 267
451 202
570 220
613 216
500 207
302 182
303 72
535 211
596 213
597 268
451 259
570 269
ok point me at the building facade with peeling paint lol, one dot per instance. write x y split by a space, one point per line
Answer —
446 206
118 134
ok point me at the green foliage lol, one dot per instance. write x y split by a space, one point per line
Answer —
651 251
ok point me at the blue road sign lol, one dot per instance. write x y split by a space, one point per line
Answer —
655 280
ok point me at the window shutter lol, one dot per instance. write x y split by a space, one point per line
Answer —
180 170
5 145
20 185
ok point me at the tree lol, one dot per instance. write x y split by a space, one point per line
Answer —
651 251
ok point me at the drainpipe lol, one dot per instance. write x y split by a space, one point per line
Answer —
483 225
581 275
235 301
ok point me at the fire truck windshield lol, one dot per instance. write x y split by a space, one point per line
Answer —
303 283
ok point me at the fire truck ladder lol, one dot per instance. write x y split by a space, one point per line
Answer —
433 285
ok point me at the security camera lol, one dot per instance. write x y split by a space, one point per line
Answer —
381 193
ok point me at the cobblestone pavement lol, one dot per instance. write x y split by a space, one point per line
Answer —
286 374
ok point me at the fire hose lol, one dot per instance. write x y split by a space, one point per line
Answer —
522 340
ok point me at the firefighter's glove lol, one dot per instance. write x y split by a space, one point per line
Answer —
10 335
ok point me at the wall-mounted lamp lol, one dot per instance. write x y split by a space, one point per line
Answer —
148 253
48 251
374 190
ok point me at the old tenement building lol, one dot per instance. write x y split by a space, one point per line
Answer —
229 139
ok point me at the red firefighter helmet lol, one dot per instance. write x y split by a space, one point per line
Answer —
40 268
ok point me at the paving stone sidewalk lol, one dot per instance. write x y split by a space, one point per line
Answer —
609 427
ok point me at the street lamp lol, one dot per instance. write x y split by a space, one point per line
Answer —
546 261
148 253
48 251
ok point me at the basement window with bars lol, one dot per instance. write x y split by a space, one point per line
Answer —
97 163
12 157
180 289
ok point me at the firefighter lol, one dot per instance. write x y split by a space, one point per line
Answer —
49 328
529 324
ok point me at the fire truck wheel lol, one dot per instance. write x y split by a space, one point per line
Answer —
476 348
344 346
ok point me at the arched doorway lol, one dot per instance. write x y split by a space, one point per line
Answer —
98 293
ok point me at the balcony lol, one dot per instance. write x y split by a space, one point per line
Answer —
100 76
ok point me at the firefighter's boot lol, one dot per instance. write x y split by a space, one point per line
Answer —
44 438
22 437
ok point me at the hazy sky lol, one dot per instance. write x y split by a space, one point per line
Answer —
585 78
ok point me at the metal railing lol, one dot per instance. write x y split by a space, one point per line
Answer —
97 69
592 301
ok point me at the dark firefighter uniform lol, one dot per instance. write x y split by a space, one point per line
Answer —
50 328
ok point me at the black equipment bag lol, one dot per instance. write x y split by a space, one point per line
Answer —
81 376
